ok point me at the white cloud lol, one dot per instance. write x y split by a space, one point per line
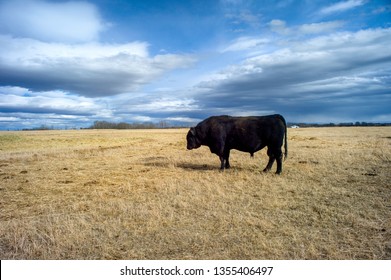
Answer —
47 21
28 51
166 104
245 43
89 69
279 26
326 55
142 119
342 6
368 40
340 85
21 99
321 27
230 73
241 15
247 17
23 108
184 119
9 119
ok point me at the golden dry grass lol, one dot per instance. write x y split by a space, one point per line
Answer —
139 194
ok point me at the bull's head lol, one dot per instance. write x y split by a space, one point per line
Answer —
192 140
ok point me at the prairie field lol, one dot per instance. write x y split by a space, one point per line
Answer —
139 194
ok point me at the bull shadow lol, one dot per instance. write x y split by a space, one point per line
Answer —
164 162
196 166
205 167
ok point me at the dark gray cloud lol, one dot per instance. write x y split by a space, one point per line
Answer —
37 110
93 69
344 75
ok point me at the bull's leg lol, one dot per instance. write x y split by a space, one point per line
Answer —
226 156
224 163
269 164
222 160
279 161
274 154
271 160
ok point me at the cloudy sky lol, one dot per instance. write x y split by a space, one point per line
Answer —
67 64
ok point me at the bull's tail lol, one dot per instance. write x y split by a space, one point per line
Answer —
286 142
286 137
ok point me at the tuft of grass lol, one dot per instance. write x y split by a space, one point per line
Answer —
139 194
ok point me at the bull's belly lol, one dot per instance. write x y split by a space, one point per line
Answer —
248 149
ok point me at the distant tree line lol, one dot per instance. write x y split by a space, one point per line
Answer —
344 124
42 127
124 125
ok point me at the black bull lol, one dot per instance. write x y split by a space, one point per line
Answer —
246 134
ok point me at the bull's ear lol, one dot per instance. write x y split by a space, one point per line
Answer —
193 131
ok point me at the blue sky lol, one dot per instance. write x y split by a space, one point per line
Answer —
67 64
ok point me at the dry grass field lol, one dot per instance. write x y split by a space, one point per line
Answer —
139 194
